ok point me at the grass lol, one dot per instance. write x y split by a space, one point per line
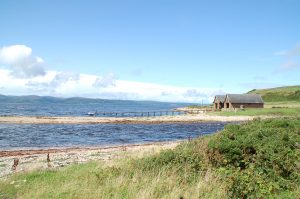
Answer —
165 175
278 89
283 108
287 93
261 112
259 159
283 104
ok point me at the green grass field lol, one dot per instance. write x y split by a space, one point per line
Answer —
261 112
287 93
258 159
282 108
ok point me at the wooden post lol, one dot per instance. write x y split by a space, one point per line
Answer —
16 162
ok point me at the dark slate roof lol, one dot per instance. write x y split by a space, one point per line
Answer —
245 98
220 98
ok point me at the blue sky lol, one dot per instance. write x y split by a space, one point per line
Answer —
199 47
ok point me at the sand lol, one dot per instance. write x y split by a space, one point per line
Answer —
188 118
60 157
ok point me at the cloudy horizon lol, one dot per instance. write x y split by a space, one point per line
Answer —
164 51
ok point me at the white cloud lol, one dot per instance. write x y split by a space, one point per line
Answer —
290 65
291 58
25 75
63 84
13 54
105 81
21 61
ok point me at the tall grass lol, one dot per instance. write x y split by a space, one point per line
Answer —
179 173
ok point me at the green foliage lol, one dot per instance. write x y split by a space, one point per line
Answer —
185 161
288 93
275 97
259 158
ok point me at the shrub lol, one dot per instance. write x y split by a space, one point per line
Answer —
258 158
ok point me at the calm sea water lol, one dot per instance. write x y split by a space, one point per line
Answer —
16 136
81 109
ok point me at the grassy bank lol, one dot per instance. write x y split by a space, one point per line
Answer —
279 94
280 111
258 159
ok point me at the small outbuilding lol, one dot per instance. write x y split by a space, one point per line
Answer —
243 101
219 102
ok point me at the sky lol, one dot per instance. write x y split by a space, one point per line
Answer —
167 50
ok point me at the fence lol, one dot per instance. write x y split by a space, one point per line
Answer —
143 114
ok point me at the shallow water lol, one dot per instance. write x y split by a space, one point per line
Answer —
21 136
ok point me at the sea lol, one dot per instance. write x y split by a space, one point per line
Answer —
37 136
83 107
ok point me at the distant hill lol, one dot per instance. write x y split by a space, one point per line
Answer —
71 100
286 93
45 99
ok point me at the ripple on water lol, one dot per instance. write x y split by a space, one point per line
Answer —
67 135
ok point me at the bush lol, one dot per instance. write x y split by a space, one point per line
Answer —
259 158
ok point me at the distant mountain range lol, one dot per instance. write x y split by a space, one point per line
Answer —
50 99
45 99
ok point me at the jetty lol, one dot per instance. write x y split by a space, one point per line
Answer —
144 113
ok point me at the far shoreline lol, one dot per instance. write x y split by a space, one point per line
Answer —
189 118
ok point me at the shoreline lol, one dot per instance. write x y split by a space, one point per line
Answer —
45 150
190 118
37 159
